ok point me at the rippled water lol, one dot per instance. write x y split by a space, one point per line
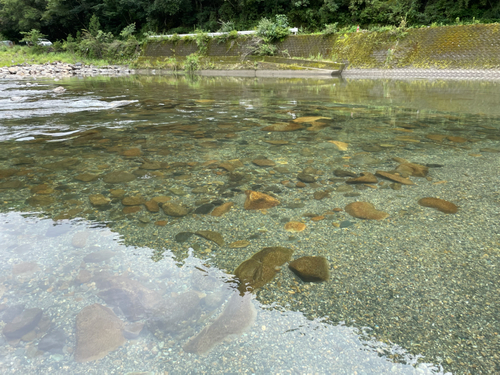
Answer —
126 211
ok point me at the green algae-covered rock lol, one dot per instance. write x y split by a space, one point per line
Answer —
261 268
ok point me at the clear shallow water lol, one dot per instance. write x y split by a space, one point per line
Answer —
416 292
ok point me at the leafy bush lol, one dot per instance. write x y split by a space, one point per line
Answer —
32 37
192 63
330 29
272 31
266 49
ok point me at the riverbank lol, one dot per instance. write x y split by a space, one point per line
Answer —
62 70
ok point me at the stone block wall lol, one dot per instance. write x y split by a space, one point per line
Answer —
448 47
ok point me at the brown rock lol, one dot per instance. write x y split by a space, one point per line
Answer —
264 162
117 193
4 173
439 204
161 199
132 152
25 268
22 324
239 244
161 223
310 269
222 209
118 177
133 201
211 236
79 240
365 178
309 119
258 201
11 185
86 177
395 177
131 209
99 200
436 137
283 127
152 206
172 209
295 226
98 332
261 268
413 169
319 195
83 277
238 315
365 210
40 200
457 139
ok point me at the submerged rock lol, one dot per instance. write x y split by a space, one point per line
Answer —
23 323
439 204
172 209
365 210
238 315
211 236
310 268
258 201
261 268
118 177
295 226
53 342
98 332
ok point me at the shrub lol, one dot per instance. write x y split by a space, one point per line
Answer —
272 31
192 63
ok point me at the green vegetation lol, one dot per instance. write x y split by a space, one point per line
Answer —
59 18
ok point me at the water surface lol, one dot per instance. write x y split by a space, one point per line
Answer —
83 176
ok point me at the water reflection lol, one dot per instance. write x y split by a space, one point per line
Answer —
72 294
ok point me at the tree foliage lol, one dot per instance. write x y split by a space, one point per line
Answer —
59 18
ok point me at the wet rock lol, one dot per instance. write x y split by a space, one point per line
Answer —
86 177
132 152
413 169
98 332
4 173
283 127
183 236
117 193
264 162
439 204
238 315
65 164
365 178
261 268
295 226
133 330
365 210
53 342
133 201
23 323
24 160
344 189
59 90
153 166
395 177
12 185
318 195
457 139
395 186
364 160
131 209
295 205
371 148
310 268
161 199
174 315
173 209
341 146
222 209
83 277
118 177
134 299
204 209
343 173
200 190
239 244
152 206
99 256
211 236
257 201
306 177
40 201
79 240
99 200
25 268
435 137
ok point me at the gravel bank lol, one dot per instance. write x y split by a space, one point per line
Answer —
59 70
